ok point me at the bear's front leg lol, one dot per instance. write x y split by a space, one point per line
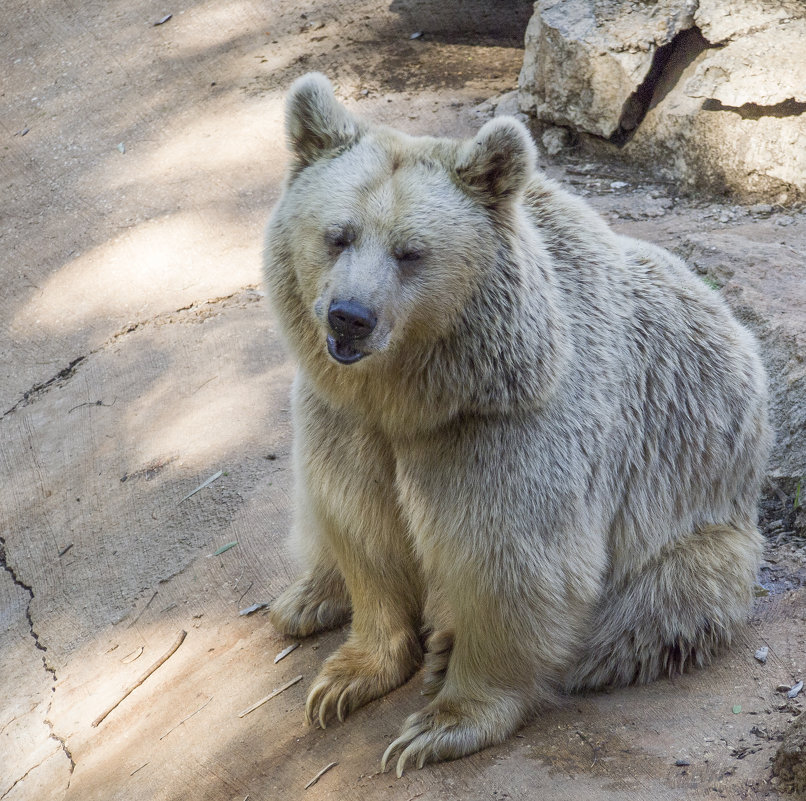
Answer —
346 494
517 560
318 599
503 665
380 654
382 578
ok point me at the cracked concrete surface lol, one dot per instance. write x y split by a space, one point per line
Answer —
198 310
34 753
141 360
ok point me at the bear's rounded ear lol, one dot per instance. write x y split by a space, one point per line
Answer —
316 123
498 162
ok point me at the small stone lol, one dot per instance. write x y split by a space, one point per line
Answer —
789 766
785 221
554 139
682 763
618 184
761 208
507 105
762 654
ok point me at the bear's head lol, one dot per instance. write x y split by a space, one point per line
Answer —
388 236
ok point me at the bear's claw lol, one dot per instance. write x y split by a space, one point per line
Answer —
432 736
328 698
353 677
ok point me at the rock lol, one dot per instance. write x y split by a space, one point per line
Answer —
585 58
711 95
505 104
742 73
721 21
555 139
762 654
508 104
790 761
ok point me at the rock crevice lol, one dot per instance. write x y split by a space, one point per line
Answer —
712 94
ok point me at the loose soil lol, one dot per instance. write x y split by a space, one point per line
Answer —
138 165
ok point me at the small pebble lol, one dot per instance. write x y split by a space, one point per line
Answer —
682 763
762 653
618 184
761 208
793 693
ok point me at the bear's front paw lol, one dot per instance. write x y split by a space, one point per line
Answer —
445 730
308 606
353 677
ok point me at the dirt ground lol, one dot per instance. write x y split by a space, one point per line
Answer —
138 165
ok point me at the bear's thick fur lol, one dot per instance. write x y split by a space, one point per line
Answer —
527 450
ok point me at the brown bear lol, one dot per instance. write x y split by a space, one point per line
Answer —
527 450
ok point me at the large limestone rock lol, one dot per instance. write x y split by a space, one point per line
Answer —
711 93
585 58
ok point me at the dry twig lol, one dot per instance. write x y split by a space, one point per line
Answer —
592 745
321 773
204 484
132 687
269 696
285 652
187 718
137 617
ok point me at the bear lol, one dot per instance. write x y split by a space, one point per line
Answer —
527 450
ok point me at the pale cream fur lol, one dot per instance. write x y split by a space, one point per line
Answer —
541 472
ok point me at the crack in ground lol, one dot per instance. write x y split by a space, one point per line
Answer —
200 311
27 588
197 307
28 773
40 389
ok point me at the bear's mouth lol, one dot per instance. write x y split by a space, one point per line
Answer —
343 351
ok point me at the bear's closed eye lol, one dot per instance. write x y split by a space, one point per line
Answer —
340 236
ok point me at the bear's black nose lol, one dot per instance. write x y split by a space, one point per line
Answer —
350 320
